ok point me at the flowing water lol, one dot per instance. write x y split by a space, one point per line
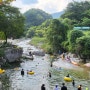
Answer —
41 66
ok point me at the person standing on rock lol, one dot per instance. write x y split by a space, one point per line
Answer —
30 53
63 56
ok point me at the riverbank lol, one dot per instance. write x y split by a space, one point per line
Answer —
73 66
69 60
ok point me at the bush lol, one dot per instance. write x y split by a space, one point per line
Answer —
1 52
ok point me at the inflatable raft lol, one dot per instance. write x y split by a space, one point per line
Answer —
67 79
1 71
30 72
75 63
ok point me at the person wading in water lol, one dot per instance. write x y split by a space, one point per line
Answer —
43 87
22 72
63 87
73 83
80 87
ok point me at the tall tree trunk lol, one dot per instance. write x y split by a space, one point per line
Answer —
5 37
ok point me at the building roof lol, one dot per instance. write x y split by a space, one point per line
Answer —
81 28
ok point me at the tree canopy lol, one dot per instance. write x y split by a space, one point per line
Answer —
56 34
12 21
78 12
6 1
83 47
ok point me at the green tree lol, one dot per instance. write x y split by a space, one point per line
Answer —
67 22
76 11
83 47
72 37
56 34
38 30
86 22
31 32
74 34
12 21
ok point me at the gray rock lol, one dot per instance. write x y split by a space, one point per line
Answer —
13 54
0 85
38 53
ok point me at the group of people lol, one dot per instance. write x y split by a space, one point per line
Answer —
63 85
62 88
73 83
66 57
56 87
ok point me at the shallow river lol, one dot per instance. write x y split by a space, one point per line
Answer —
41 67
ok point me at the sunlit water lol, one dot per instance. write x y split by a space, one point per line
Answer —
41 67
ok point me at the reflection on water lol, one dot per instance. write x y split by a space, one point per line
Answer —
41 67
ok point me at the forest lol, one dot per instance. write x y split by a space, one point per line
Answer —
59 34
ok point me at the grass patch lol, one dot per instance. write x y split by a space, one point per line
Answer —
80 74
37 41
41 43
1 52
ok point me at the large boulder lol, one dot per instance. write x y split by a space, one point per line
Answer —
13 54
38 53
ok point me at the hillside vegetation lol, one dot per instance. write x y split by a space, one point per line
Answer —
35 17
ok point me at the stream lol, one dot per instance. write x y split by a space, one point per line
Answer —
41 66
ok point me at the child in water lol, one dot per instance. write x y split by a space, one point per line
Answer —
22 72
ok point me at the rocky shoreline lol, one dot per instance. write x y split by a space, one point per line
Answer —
11 55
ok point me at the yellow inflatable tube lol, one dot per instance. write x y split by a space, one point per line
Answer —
67 79
1 71
30 72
